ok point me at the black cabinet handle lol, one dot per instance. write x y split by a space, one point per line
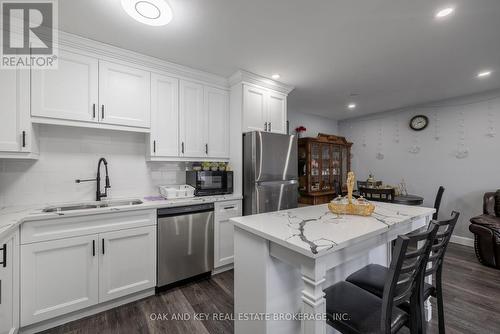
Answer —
102 111
24 138
154 146
270 128
182 147
229 207
4 256
103 246
93 247
206 148
93 110
265 126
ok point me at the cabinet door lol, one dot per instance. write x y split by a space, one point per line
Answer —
164 116
193 126
127 262
217 111
276 112
124 95
254 109
15 128
68 92
58 277
224 232
6 287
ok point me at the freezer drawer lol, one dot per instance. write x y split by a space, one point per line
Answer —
271 196
185 246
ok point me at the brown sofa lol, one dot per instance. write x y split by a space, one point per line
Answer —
486 229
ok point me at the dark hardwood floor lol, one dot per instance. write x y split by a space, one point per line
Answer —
471 293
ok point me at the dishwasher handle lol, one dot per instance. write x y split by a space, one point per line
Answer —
185 210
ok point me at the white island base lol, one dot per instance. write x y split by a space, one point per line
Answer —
284 260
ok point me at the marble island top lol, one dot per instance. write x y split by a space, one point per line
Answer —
315 231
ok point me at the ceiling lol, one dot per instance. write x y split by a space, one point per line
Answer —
389 53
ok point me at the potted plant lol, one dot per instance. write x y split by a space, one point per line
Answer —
214 166
299 130
206 165
222 166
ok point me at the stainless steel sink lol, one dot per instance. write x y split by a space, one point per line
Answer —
92 205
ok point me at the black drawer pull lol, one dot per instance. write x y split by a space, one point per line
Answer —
102 246
4 256
93 247
229 207
24 138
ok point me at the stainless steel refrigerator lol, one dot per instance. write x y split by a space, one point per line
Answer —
269 172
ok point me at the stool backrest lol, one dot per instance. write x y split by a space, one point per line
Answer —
443 236
406 272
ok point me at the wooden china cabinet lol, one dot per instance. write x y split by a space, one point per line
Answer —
324 162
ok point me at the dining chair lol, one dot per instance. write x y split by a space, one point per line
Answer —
437 202
372 278
352 309
378 194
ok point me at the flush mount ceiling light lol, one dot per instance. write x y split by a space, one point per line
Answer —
276 76
351 106
150 12
444 12
484 74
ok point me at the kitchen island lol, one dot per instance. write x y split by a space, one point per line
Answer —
284 260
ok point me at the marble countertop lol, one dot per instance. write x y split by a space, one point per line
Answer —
12 217
314 231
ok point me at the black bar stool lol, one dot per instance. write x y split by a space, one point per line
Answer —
372 278
351 309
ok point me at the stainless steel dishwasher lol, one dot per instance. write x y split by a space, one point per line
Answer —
185 243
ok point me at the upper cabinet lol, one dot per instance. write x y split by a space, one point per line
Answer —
17 136
86 91
217 112
164 116
189 121
68 93
263 110
124 95
193 120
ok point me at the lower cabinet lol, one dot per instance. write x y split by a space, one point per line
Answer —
224 231
58 277
127 262
9 306
72 273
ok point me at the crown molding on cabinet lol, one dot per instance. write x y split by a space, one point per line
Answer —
143 61
252 78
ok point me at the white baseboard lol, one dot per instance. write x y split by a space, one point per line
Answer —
462 241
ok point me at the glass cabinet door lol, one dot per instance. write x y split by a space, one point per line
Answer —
326 157
315 181
336 169
345 167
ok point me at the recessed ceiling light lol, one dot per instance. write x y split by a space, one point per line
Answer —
444 12
484 74
150 12
351 106
276 76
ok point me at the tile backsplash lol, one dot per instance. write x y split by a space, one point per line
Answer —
70 153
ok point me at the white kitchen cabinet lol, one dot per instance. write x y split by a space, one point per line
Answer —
124 95
16 132
58 277
254 109
69 92
224 230
276 109
193 120
127 262
9 285
217 112
164 138
263 110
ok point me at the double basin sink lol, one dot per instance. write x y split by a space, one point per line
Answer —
92 205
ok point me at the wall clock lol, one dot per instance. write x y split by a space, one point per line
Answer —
419 122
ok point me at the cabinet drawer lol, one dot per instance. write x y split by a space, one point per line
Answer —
58 228
226 210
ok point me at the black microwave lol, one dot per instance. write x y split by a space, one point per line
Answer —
208 183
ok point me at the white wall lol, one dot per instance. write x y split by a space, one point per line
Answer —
314 124
68 153
472 123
